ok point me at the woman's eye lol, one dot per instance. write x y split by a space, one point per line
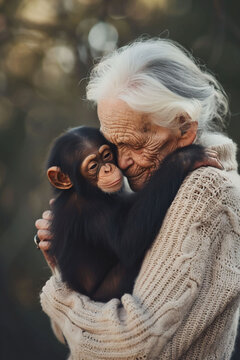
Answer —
138 147
93 166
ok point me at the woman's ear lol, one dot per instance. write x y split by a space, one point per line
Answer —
58 179
187 130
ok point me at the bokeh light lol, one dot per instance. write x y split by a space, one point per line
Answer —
60 55
38 11
102 38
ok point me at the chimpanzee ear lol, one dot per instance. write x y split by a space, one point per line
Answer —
58 179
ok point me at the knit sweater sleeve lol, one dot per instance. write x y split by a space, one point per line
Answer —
169 281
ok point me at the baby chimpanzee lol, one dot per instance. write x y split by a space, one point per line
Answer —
99 230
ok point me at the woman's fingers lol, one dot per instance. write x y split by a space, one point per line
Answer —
44 235
44 245
43 227
47 215
51 201
43 224
49 259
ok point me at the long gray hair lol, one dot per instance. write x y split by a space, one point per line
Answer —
161 78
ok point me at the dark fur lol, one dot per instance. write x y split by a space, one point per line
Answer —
95 233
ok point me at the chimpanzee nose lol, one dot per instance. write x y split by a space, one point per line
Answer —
107 168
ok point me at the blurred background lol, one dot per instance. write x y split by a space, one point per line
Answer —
48 48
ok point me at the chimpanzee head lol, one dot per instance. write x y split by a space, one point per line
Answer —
83 159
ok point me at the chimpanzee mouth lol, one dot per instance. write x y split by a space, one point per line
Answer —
114 182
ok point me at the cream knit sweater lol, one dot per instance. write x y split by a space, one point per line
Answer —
185 303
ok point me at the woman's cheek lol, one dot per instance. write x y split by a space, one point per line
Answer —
143 159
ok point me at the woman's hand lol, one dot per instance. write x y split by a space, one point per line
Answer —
45 236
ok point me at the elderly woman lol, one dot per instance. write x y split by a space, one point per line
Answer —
152 98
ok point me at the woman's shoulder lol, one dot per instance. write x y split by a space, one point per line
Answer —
206 197
213 187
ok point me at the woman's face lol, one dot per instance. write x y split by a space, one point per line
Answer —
141 144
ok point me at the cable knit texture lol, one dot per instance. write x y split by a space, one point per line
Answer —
185 303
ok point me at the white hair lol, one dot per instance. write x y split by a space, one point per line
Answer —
161 78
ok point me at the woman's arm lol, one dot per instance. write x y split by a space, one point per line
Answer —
169 282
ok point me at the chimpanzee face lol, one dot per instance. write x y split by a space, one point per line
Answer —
99 168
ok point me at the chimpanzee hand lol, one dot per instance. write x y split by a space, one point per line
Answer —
45 236
210 159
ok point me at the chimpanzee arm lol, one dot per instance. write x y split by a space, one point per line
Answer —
146 215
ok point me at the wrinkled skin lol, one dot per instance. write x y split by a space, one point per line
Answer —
141 144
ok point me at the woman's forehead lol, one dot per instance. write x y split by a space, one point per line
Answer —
117 118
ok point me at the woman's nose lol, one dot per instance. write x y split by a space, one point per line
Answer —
124 159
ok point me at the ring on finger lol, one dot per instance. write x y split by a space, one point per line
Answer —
37 241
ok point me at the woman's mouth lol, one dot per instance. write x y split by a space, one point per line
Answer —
135 177
138 181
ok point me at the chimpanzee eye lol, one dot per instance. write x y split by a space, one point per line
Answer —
93 166
107 155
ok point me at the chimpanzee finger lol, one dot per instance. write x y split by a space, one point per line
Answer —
216 163
212 153
211 161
